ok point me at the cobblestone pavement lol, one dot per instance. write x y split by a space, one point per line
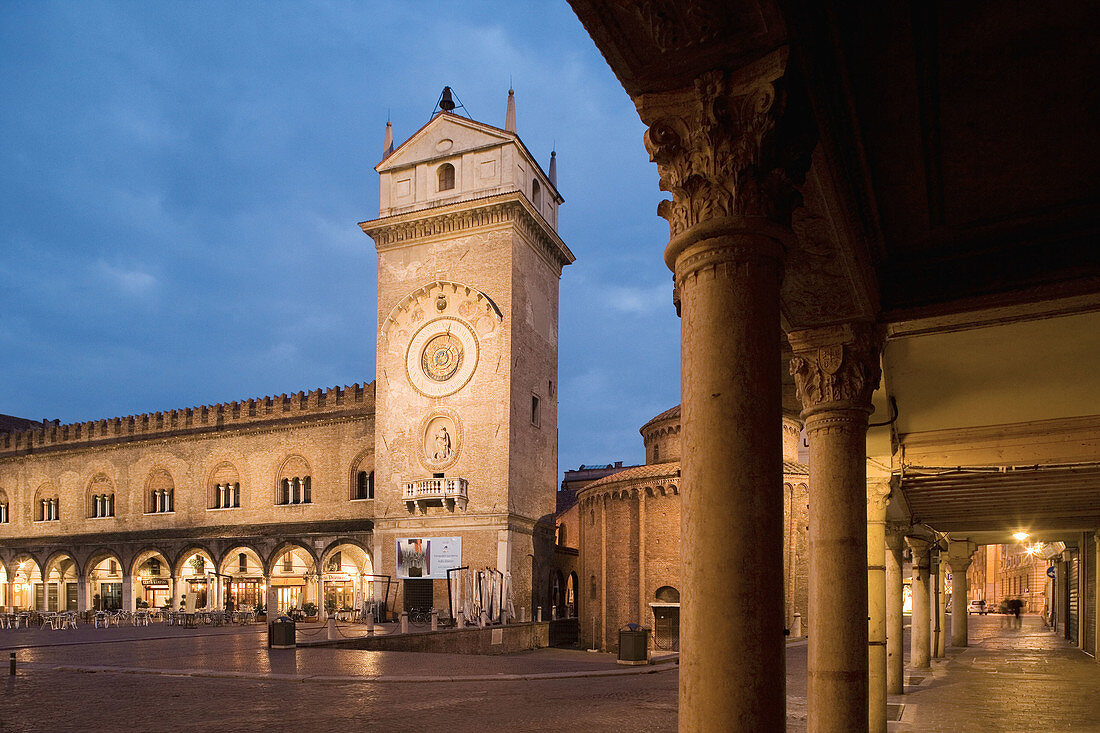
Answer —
1006 680
227 680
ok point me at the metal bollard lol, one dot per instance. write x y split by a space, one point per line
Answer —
370 623
796 626
523 614
435 619
460 620
11 664
404 622
553 613
538 614
332 628
484 620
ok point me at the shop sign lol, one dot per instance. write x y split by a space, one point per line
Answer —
155 583
337 577
428 557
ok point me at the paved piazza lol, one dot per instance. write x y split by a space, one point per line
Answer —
227 680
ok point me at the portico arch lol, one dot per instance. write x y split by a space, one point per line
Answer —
152 578
106 589
292 577
196 578
243 570
60 580
345 585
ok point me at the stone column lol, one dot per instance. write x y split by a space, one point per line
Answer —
920 652
81 592
895 652
128 592
725 152
878 495
959 555
836 369
321 613
272 601
939 596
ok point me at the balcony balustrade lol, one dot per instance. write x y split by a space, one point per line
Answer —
445 492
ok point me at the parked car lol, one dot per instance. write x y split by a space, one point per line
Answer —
977 607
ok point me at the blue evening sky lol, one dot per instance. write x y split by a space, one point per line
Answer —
180 184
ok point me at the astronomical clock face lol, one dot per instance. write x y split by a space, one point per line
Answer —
441 357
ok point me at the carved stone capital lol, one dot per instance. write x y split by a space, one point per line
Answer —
895 535
920 551
731 145
878 496
836 367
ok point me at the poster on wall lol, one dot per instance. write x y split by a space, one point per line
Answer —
427 557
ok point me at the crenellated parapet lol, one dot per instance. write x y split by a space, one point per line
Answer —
318 403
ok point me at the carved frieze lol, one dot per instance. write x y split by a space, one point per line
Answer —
836 367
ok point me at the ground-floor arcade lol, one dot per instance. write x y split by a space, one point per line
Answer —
318 569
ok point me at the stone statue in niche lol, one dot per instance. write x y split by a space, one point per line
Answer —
442 445
440 442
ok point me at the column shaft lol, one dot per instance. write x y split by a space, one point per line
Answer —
959 556
877 495
731 625
895 652
837 684
920 652
939 592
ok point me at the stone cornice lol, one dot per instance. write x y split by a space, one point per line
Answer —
465 216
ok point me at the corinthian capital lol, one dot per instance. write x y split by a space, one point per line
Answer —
836 367
732 145
878 496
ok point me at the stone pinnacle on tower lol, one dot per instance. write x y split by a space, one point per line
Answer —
387 141
510 116
554 168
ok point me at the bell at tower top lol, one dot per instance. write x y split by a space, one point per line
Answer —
453 158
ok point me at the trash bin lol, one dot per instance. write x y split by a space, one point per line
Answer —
633 644
282 633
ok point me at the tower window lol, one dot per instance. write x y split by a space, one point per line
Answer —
446 177
535 416
364 485
656 453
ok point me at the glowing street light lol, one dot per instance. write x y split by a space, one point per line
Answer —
1020 536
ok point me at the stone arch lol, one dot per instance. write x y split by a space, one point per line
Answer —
292 574
667 594
105 574
474 307
293 482
22 571
290 545
159 491
343 586
223 485
179 562
245 587
146 552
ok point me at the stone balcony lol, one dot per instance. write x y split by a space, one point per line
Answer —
444 492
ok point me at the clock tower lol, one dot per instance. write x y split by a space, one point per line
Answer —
469 260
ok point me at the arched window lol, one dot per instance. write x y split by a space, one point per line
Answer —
656 453
101 497
446 177
4 516
294 486
561 534
225 487
592 590
536 193
364 485
47 507
159 493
